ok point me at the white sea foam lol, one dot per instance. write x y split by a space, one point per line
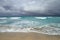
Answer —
3 17
46 29
15 17
41 17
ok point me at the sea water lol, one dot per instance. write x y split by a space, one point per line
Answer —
44 25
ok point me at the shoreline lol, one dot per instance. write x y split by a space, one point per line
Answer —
27 36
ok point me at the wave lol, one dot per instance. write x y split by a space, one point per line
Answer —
46 29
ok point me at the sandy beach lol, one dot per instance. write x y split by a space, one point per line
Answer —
27 36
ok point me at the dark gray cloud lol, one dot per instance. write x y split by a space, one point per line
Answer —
29 7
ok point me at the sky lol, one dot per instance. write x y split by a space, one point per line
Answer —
29 7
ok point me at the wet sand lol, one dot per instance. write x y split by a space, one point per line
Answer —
27 36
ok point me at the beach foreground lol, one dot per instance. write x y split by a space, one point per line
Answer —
27 36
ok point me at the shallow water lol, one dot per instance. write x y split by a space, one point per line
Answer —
25 24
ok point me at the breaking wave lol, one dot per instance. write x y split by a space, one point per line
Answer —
49 29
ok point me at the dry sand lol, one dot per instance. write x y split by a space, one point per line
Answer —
27 36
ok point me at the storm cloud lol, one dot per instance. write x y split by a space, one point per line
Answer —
29 7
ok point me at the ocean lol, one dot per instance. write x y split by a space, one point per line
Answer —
44 25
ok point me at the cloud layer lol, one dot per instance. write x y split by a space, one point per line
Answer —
29 7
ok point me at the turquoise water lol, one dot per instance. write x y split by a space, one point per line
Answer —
44 25
29 21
